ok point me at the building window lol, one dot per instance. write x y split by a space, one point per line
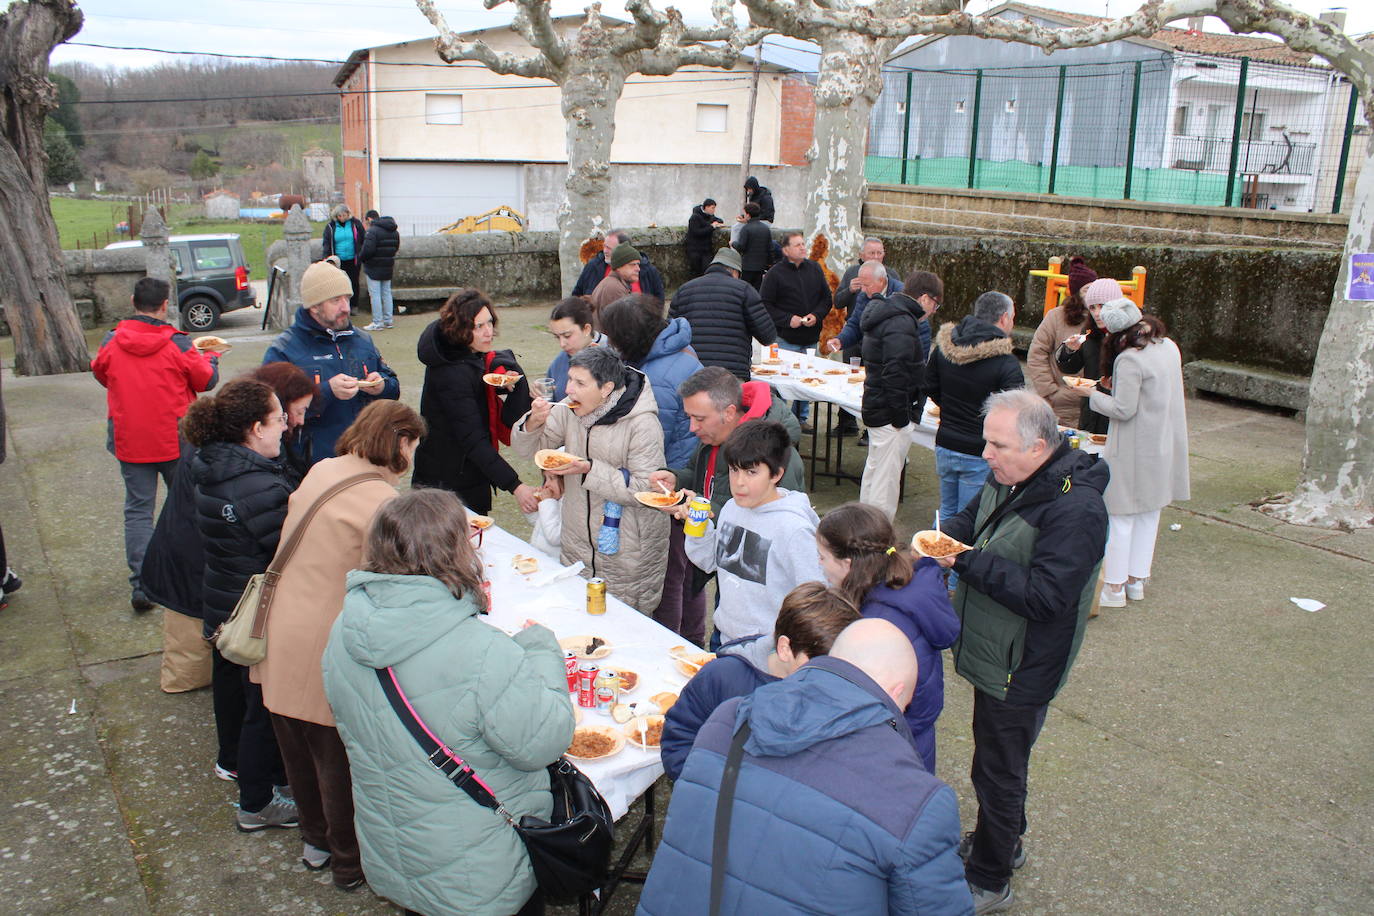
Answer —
713 119
1011 106
443 108
1252 125
959 107
1181 121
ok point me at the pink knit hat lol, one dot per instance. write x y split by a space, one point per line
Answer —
1101 291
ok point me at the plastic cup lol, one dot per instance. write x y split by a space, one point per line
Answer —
542 387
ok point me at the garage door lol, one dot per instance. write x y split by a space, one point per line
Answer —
422 196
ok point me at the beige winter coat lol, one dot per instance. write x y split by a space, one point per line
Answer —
629 437
609 290
310 593
1045 376
1147 441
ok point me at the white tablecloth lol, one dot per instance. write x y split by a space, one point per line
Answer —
637 643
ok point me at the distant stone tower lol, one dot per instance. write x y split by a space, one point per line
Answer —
318 166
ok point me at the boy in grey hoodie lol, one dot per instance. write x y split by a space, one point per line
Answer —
763 544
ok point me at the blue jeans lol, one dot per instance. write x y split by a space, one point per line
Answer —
379 292
961 477
802 409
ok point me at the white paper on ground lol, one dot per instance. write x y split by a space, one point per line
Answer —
1175 527
1307 604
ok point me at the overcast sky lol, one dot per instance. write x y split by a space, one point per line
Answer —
334 28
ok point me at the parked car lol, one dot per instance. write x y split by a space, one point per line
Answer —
212 277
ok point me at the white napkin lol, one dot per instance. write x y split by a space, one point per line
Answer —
1307 604
548 577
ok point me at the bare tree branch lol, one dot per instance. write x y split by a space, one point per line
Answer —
452 48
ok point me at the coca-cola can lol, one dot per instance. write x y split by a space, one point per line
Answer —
570 665
586 685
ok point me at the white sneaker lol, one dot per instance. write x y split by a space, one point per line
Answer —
374 326
1111 597
1136 590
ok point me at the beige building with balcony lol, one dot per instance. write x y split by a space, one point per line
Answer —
429 143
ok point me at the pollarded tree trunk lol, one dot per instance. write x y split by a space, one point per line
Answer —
848 86
1336 489
589 98
33 287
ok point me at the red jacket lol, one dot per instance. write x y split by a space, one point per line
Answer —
151 373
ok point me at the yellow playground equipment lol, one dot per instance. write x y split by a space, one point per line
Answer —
497 219
1057 285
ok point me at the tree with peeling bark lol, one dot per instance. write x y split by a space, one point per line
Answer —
1336 486
590 66
33 283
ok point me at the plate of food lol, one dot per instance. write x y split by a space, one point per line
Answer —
837 370
550 459
504 380
814 381
763 370
586 648
1074 381
936 544
664 701
525 566
1098 438
212 344
629 680
857 378
371 387
480 522
593 742
688 660
660 500
775 361
645 732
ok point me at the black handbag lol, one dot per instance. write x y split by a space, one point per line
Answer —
571 852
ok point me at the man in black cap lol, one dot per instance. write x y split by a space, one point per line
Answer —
725 314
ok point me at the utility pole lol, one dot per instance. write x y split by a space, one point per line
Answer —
749 124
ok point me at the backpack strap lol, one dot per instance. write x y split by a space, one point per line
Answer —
725 804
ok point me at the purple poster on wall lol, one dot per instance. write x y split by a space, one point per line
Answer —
1361 284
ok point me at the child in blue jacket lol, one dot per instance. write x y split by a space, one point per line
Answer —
808 622
861 558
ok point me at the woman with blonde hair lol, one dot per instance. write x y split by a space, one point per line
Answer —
372 455
415 611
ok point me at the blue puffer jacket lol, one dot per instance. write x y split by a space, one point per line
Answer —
669 363
833 812
921 609
323 354
734 673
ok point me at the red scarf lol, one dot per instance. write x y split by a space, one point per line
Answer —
634 287
499 432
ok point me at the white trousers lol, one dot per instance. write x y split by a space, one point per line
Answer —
882 480
1130 546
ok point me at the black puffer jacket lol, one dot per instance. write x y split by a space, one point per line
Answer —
756 193
968 362
1087 361
700 231
379 248
725 313
172 565
240 507
457 454
891 350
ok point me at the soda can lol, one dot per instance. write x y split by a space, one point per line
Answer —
1075 441
570 665
586 689
596 596
698 512
486 592
607 687
772 351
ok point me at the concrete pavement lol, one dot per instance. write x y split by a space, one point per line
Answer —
1213 751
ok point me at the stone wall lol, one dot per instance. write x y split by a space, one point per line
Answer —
945 211
101 283
1254 306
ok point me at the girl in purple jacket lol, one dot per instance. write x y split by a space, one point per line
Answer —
861 558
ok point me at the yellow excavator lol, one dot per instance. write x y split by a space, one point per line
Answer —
497 219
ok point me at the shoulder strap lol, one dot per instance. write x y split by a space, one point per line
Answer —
725 804
284 552
443 759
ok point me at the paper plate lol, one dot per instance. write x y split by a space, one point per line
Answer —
930 536
617 739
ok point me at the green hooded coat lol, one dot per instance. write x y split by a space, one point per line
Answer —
500 703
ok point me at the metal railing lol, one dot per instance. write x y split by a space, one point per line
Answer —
1266 157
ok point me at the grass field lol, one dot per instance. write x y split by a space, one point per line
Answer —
91 224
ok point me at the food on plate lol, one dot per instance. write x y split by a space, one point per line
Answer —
374 385
936 544
664 701
586 647
837 370
813 381
689 661
763 370
212 343
1074 381
629 680
551 459
622 712
933 410
524 565
502 379
592 742
772 362
652 734
480 522
660 500
1098 438
857 378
